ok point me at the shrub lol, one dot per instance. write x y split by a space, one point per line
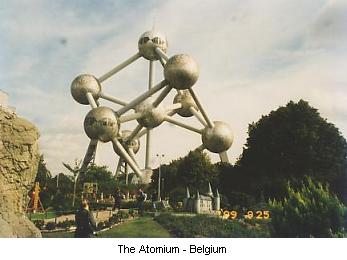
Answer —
237 200
128 204
132 212
50 226
122 215
114 219
66 224
209 226
310 211
108 224
101 225
39 223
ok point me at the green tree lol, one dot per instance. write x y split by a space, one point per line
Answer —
43 175
194 171
308 211
289 143
102 176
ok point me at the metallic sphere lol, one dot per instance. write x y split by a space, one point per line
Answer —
134 144
151 116
219 138
186 100
83 84
101 123
181 71
149 41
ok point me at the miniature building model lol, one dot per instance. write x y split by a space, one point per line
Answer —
202 203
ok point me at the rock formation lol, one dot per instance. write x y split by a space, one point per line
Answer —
19 157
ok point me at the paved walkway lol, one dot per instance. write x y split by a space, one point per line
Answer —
101 215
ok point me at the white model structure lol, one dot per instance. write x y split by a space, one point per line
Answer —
104 124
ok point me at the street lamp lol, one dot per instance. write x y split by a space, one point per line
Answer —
74 189
163 187
159 177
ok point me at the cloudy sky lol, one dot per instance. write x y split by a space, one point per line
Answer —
253 55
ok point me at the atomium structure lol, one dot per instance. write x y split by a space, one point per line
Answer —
105 124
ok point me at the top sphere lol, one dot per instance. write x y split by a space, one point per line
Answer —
149 41
101 123
83 84
181 71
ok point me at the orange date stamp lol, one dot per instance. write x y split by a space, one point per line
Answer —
250 214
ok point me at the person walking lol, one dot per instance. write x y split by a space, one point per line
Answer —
141 198
85 222
118 196
154 199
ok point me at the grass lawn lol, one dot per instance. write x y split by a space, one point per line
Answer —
42 215
140 227
60 234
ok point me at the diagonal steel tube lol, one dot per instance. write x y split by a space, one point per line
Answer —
161 96
198 116
188 127
161 54
113 99
127 158
133 116
119 67
208 121
134 132
91 100
141 98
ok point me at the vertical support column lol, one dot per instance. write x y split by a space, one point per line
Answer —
119 165
126 171
224 157
148 135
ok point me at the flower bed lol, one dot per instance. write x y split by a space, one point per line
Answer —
209 226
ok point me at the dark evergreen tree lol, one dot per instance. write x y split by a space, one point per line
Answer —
288 144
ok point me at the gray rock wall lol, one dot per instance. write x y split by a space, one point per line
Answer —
19 157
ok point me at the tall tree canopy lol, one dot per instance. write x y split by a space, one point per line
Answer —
289 143
194 171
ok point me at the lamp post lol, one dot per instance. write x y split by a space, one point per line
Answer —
74 189
163 187
159 177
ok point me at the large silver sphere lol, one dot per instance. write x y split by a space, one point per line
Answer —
134 144
219 138
181 71
149 41
186 100
152 116
83 84
101 123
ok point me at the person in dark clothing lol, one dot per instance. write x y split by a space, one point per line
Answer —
154 199
85 222
141 197
118 196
